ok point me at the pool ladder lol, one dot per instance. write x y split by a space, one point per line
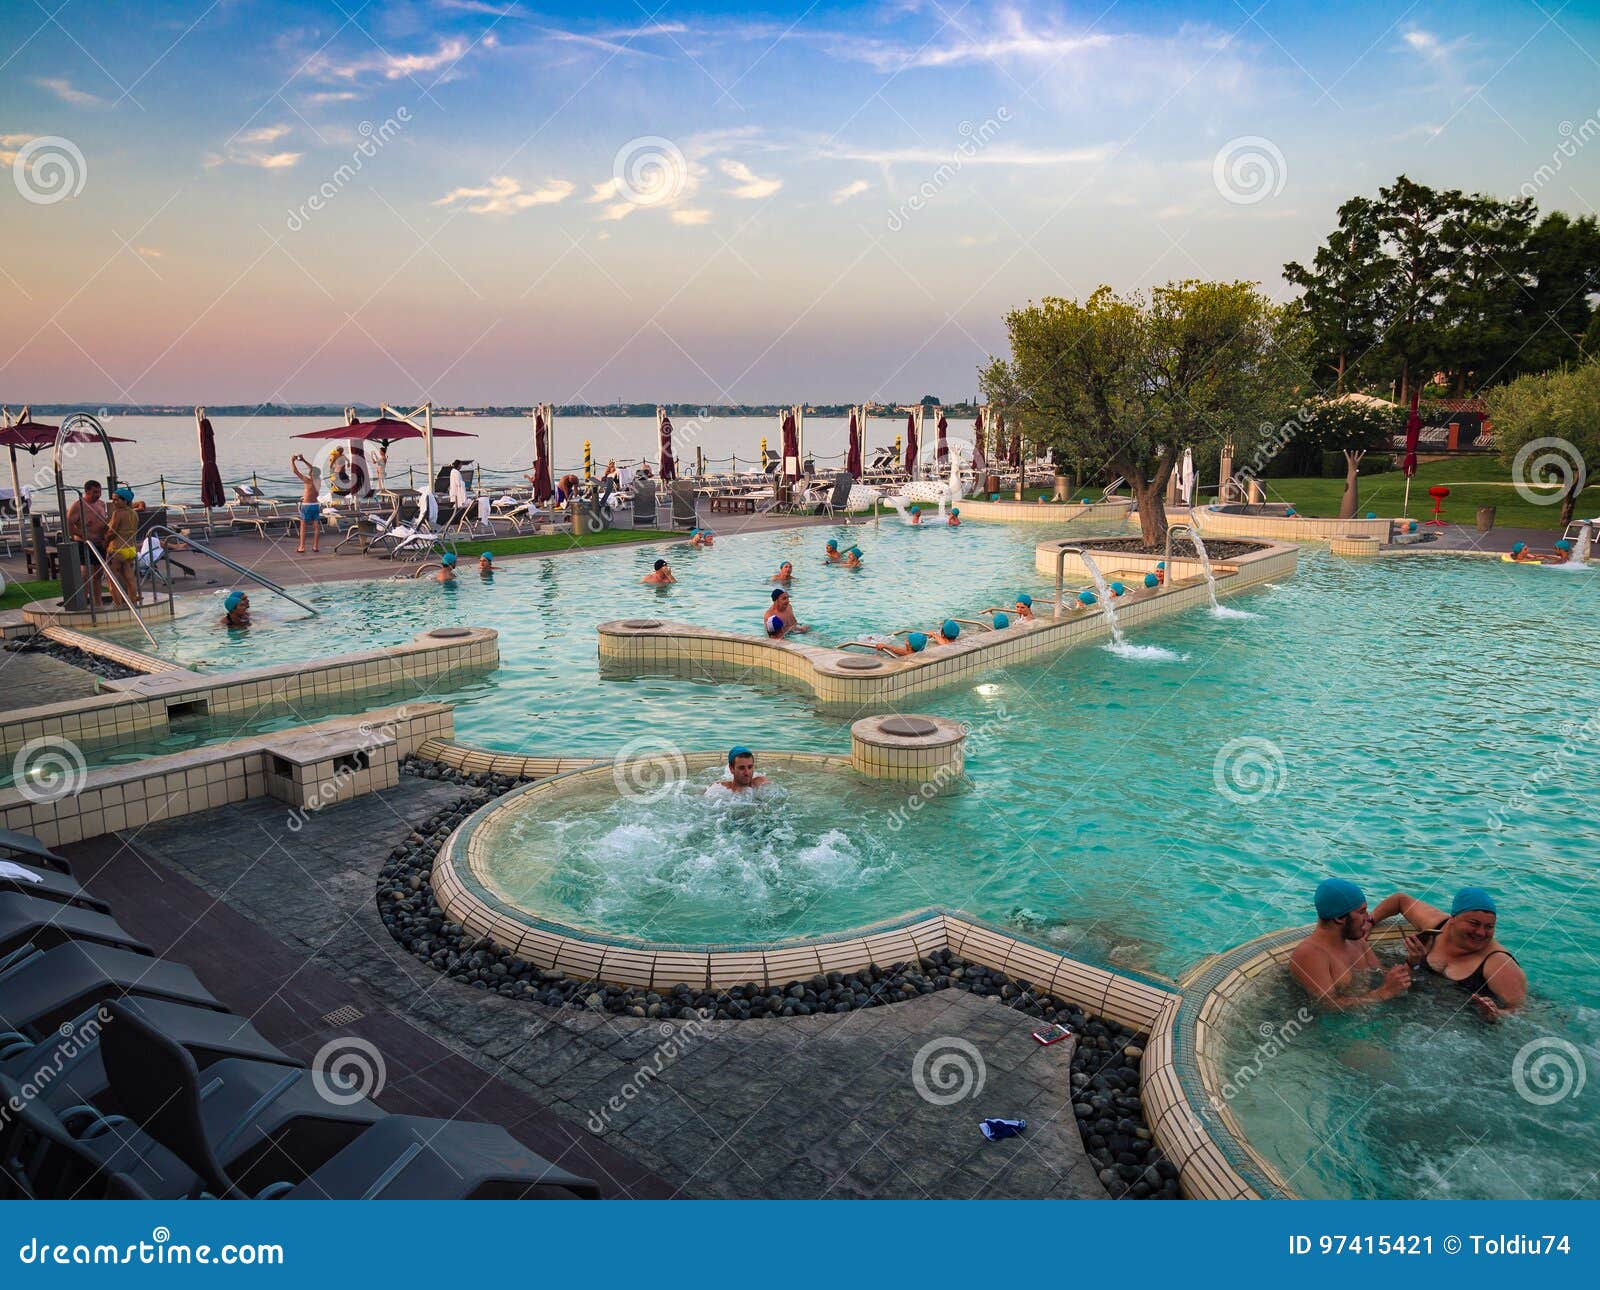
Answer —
194 544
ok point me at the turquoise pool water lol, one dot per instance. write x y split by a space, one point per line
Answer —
1413 723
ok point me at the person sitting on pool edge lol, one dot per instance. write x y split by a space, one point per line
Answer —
660 575
1460 947
742 771
785 573
486 564
780 620
1332 963
236 609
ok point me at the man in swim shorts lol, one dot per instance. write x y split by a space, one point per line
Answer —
659 576
1460 948
310 507
1333 962
236 606
742 771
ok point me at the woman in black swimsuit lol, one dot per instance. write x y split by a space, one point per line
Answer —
1460 947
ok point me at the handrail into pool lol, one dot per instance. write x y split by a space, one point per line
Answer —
1062 552
1171 529
197 545
112 581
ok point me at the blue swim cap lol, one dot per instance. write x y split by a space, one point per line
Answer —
1289 510
1025 600
1161 564
1413 528
1372 515
125 493
916 510
1086 597
778 591
950 628
856 551
1117 589
1470 899
833 544
994 497
774 624
486 555
1001 622
737 751
448 559
1150 580
918 641
1517 548
955 510
231 601
1563 545
1337 897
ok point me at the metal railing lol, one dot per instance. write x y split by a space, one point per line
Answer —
115 583
1171 529
1061 572
194 544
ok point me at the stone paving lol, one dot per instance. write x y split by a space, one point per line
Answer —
28 680
802 1107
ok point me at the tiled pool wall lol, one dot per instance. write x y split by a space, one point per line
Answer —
1290 528
849 682
1183 1084
1014 512
467 897
307 768
143 707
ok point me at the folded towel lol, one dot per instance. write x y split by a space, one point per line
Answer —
996 1129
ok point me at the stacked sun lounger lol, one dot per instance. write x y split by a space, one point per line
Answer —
124 1077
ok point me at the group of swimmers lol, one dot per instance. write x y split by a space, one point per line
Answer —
952 519
1336 962
1521 554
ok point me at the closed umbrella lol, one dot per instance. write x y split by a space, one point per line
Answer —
542 488
911 443
791 447
941 454
1016 445
211 493
1186 478
852 461
979 461
669 467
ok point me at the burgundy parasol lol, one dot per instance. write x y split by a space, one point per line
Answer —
791 447
669 467
541 459
911 443
942 452
1413 435
385 431
34 437
852 461
1016 446
211 493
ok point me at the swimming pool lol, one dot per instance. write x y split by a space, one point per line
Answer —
1415 722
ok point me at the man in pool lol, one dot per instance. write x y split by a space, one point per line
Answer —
914 643
310 506
954 518
916 515
237 610
742 771
851 558
947 632
486 565
780 619
785 573
444 570
660 575
831 552
1332 963
1460 948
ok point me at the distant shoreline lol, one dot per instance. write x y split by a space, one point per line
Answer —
682 411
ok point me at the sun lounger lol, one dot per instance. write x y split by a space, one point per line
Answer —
644 504
41 1160
42 990
34 852
47 884
44 924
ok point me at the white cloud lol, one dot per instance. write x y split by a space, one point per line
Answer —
853 189
250 148
993 155
751 186
604 191
1426 43
393 67
619 210
64 90
9 143
503 195
331 96
691 215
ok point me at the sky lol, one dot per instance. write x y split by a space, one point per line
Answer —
478 202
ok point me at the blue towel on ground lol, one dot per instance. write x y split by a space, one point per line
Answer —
996 1129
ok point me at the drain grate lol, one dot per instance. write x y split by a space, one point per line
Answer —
343 1016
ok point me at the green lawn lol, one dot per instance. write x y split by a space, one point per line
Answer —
18 594
563 541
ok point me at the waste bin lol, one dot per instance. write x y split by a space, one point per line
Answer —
993 484
582 521
1485 518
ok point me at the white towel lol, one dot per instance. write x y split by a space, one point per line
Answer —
9 870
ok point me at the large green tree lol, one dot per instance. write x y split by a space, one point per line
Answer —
1128 381
1548 427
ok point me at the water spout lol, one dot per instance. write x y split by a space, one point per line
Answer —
1104 592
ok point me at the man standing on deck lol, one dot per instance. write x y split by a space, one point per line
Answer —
1332 963
86 523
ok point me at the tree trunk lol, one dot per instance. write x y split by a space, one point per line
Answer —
1338 385
1352 490
1152 514
1569 503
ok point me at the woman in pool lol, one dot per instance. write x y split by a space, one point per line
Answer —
1460 947
702 537
852 558
660 575
1022 607
785 573
446 568
916 514
236 607
486 565
954 518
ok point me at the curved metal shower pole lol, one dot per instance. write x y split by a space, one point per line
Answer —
71 588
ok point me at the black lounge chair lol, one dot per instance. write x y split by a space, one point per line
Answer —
69 1072
29 848
644 504
47 884
398 1157
260 1121
41 991
685 514
41 1160
44 924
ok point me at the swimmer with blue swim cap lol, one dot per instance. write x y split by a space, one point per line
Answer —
1460 948
948 631
1022 609
445 569
486 564
236 609
1336 962
741 771
831 552
852 558
954 518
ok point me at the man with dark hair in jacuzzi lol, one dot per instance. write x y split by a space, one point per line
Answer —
741 771
1334 962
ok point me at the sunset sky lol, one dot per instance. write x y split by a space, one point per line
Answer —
481 202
